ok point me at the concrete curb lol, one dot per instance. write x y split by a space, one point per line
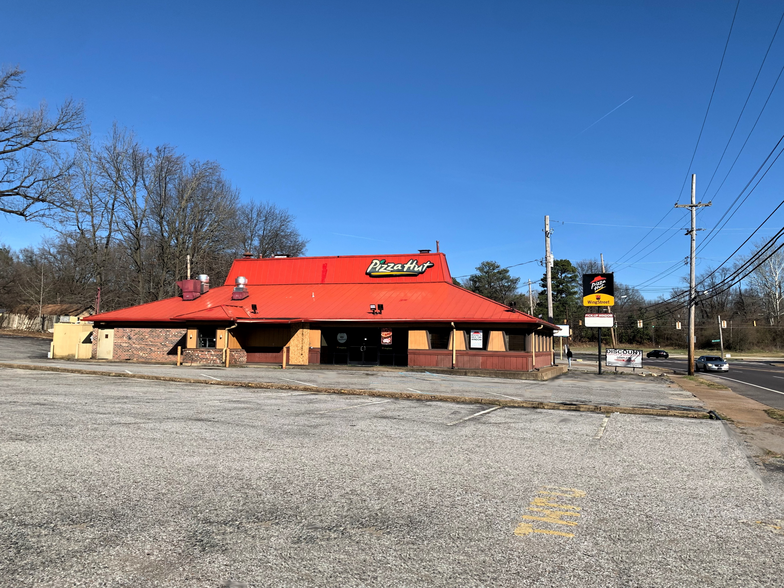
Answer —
696 414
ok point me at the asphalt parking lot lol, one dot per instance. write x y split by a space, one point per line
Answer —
122 482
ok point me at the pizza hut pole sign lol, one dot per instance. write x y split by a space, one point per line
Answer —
598 290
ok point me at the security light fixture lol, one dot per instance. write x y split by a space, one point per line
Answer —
254 308
380 308
376 308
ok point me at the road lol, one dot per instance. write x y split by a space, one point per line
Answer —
762 381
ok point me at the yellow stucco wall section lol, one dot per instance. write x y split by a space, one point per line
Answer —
69 341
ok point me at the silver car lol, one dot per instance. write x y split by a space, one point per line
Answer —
711 363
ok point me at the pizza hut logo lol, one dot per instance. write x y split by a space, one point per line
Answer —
598 284
379 268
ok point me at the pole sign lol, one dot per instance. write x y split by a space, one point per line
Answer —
624 358
598 290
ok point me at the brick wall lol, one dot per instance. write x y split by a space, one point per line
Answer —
212 356
145 344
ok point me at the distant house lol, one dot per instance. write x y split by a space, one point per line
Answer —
33 317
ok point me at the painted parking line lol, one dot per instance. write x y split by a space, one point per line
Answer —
501 395
353 406
417 391
209 376
550 506
473 416
755 385
127 372
603 426
298 382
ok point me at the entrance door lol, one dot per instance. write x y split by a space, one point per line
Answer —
350 345
364 346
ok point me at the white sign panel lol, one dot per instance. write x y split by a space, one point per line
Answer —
599 320
476 339
564 332
624 358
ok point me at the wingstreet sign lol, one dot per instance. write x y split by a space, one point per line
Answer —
598 290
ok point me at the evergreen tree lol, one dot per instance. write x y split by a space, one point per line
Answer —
493 281
566 287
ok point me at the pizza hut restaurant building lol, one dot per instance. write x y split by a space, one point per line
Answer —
388 310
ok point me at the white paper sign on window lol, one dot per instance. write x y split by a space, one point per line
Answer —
476 339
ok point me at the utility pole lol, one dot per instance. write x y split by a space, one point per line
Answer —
530 297
693 259
547 265
612 329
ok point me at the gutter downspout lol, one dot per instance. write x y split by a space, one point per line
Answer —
454 346
533 347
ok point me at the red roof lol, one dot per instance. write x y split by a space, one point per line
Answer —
328 289
350 269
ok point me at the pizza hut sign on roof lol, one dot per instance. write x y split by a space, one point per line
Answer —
598 289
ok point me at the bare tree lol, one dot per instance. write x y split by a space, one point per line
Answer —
265 230
767 280
33 164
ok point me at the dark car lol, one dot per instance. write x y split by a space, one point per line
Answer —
658 353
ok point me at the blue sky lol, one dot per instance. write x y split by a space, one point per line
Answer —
385 126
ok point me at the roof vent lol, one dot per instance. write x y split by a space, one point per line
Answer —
247 255
191 289
280 255
204 279
423 251
240 291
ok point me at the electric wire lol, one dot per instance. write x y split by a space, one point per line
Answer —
748 97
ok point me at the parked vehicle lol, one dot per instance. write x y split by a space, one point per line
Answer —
711 363
658 353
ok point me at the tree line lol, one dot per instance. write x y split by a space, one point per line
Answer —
124 218
752 310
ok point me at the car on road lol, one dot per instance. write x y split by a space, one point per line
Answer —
658 353
711 363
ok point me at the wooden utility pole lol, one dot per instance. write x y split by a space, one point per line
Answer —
692 271
547 265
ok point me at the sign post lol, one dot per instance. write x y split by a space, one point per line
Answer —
599 290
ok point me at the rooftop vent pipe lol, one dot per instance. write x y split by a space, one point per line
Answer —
204 279
240 291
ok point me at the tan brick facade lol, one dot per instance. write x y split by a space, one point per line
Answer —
146 344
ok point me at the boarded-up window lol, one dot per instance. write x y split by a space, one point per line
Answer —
516 340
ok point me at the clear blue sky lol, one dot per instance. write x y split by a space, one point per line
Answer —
385 126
